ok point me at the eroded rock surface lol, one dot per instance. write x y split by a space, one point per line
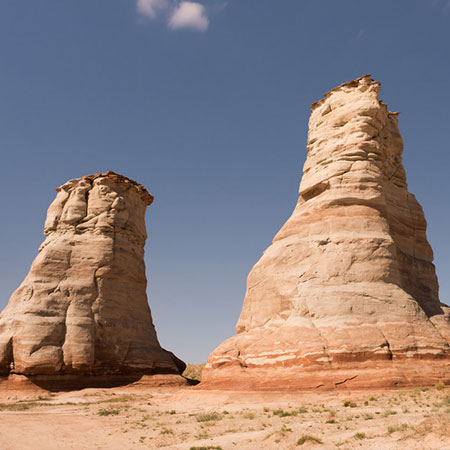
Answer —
82 309
347 293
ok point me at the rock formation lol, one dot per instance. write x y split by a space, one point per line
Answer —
347 293
82 309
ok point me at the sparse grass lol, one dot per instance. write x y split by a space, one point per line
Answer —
306 438
41 401
439 425
393 429
209 447
350 403
281 432
108 412
23 405
439 386
16 406
420 389
119 399
444 402
426 413
282 413
202 435
208 417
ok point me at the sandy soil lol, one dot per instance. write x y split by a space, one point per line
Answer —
186 418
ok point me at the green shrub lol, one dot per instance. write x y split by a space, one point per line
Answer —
350 403
282 413
108 412
306 438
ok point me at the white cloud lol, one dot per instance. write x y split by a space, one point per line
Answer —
182 14
189 15
150 8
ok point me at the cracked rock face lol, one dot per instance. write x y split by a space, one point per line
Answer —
347 293
82 309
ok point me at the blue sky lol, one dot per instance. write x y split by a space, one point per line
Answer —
207 105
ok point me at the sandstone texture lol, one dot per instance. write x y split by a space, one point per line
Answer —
82 309
347 293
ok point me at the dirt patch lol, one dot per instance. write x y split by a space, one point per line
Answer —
142 416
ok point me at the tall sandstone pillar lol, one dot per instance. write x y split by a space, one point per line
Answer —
82 309
347 293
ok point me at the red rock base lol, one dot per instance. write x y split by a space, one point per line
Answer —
368 375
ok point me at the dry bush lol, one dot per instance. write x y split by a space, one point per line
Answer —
209 417
194 371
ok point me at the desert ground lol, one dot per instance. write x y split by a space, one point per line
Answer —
188 418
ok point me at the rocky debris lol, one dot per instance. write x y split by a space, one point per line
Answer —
82 309
347 293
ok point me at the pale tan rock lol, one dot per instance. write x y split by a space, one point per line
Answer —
82 309
347 293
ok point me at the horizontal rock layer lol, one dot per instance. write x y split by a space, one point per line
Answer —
348 289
